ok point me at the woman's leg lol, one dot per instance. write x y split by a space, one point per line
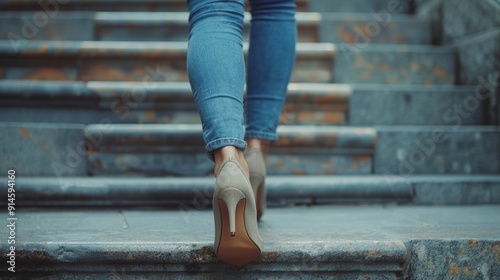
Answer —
270 63
216 70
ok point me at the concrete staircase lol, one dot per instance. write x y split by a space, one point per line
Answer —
387 165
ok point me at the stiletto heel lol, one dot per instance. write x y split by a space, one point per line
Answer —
237 238
231 197
257 167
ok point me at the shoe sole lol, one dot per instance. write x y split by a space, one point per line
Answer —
238 249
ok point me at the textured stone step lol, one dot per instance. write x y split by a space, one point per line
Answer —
373 28
403 151
106 5
360 6
163 102
124 26
179 150
165 61
345 242
282 191
394 64
311 104
112 26
130 61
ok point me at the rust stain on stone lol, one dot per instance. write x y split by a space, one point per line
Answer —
51 74
496 250
149 115
440 72
24 133
473 243
345 36
385 68
96 164
454 269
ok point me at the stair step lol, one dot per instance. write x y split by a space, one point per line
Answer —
131 61
348 28
127 26
282 191
394 64
306 104
108 5
163 102
373 28
178 150
345 241
394 7
403 151
165 61
399 152
142 26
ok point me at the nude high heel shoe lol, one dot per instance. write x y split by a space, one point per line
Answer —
257 167
237 238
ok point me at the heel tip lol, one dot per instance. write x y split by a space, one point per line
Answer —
232 233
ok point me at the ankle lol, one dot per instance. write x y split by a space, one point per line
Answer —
260 144
226 152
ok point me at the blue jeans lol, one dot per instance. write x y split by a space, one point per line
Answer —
216 68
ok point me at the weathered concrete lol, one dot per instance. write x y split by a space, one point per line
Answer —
346 241
373 28
179 150
415 105
31 149
38 25
394 64
403 151
359 6
282 190
479 62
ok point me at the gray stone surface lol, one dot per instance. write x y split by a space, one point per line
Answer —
40 25
414 105
456 190
394 64
359 6
178 149
42 149
377 27
197 191
282 190
404 151
343 240
462 18
479 61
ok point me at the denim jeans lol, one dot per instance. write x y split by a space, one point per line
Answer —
216 68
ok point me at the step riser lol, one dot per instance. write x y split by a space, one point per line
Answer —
440 150
133 61
417 106
281 190
111 27
130 61
399 153
160 103
160 152
60 150
373 28
364 64
334 28
306 104
113 5
360 6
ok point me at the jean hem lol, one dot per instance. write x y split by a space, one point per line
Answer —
261 135
223 142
